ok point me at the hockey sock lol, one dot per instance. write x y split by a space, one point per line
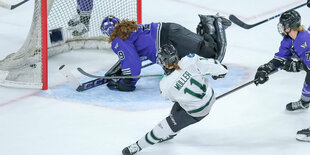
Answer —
305 97
160 131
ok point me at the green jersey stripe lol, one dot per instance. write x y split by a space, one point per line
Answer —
201 108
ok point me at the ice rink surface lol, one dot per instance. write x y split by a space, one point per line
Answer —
251 121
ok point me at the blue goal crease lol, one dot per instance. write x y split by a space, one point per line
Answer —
145 97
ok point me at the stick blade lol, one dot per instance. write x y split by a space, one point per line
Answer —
69 76
238 22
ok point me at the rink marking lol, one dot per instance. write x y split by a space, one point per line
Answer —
36 93
64 92
146 94
270 12
275 10
19 98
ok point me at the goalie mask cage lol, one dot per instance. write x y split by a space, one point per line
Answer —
50 34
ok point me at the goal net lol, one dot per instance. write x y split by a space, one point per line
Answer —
59 26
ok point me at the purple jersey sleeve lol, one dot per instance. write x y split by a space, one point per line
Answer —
301 46
285 48
128 56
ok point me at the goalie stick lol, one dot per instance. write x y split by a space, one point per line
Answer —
86 85
116 77
240 23
11 7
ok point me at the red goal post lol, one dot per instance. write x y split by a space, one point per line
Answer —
50 35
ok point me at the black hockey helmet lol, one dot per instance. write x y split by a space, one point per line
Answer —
290 19
167 54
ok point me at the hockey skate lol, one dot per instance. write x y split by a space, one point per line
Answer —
79 23
303 135
297 105
80 29
132 149
75 20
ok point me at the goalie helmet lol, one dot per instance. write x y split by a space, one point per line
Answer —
290 19
167 54
108 24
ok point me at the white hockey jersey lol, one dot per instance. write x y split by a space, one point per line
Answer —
189 87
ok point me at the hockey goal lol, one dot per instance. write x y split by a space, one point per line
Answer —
50 34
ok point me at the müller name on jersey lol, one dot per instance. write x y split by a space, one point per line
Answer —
184 78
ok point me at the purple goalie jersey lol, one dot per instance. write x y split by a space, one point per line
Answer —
138 47
299 47
85 5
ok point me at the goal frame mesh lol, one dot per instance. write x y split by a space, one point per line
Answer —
46 48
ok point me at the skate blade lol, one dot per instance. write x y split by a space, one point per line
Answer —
302 138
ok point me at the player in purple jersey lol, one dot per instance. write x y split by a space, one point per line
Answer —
134 43
293 56
80 22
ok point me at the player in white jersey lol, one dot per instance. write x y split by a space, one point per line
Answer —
184 84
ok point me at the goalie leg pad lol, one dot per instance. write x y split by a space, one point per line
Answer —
184 40
179 118
215 26
206 25
208 48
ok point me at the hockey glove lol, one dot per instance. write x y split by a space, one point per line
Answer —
219 76
261 75
292 66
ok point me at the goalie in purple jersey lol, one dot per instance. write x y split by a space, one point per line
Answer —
293 56
134 43
80 22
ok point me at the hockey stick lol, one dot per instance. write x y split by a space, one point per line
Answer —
116 77
86 85
242 86
240 23
11 7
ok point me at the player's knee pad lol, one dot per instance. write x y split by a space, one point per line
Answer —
215 26
179 118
